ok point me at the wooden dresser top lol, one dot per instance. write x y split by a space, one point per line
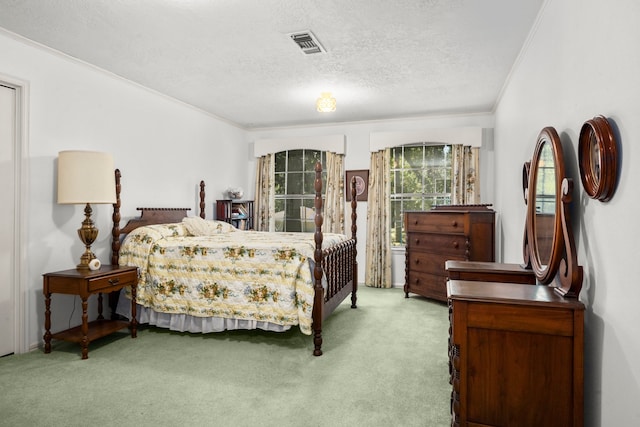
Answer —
509 293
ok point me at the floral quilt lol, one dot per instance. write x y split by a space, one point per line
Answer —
232 274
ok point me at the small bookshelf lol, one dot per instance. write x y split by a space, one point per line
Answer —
239 213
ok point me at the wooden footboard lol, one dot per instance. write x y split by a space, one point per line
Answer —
339 266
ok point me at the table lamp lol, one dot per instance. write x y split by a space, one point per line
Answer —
86 177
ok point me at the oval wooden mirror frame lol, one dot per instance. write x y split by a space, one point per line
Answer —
526 169
598 158
561 267
545 269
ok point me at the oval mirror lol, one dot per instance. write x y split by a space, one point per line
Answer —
544 225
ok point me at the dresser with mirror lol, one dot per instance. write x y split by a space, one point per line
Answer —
516 348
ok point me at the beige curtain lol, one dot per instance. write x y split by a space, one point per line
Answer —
378 252
264 198
465 188
333 211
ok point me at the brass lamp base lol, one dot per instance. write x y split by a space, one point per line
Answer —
88 234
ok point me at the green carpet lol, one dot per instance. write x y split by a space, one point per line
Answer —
384 364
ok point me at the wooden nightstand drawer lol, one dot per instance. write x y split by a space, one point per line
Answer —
113 282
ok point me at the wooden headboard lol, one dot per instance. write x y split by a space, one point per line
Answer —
148 216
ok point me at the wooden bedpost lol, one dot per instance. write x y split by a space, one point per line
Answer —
115 230
202 204
318 298
115 242
354 229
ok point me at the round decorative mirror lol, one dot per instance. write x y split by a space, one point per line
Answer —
544 229
598 158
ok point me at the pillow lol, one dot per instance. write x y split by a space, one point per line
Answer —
197 226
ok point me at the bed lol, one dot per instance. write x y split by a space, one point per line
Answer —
199 275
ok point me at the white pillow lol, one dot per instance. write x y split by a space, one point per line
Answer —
197 226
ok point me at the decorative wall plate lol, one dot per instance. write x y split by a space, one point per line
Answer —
598 158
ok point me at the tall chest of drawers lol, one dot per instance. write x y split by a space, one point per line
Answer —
454 232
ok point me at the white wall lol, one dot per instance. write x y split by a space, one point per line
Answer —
357 156
163 148
583 60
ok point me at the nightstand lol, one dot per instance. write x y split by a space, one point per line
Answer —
107 279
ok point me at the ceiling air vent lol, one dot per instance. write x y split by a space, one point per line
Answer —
307 42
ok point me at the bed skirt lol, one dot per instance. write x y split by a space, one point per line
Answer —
187 323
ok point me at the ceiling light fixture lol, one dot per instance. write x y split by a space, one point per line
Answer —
326 103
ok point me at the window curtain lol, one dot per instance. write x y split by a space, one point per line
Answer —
378 251
264 198
465 188
333 211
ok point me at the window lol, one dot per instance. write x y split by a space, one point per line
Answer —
420 178
546 184
294 191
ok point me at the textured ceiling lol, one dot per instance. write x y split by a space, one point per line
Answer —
385 59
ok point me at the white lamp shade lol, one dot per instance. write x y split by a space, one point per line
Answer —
85 177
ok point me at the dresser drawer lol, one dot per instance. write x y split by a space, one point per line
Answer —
429 262
104 283
435 222
450 244
428 285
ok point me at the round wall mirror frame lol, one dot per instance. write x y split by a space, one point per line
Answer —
598 158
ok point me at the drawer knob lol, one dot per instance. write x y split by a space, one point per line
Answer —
417 241
417 261
415 222
417 281
114 282
455 245
454 223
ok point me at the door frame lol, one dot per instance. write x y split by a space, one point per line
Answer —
20 160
